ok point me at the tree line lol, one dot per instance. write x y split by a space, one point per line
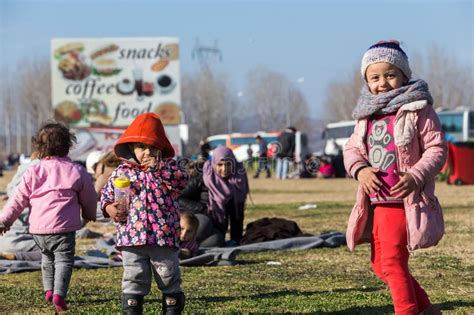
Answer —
268 102
450 84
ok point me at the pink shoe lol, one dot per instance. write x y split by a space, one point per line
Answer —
60 303
48 296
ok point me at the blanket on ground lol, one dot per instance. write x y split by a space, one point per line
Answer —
10 266
214 256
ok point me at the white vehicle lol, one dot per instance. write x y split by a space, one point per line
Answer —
336 135
458 125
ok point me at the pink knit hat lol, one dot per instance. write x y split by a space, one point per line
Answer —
389 52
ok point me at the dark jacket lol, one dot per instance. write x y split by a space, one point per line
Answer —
262 148
195 196
287 144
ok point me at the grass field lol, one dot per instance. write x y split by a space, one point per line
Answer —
319 281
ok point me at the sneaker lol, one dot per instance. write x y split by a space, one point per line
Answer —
59 303
48 296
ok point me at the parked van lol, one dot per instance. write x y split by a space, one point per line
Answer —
458 124
336 135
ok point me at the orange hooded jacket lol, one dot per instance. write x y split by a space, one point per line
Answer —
146 128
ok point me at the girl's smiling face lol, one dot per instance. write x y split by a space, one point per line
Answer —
383 77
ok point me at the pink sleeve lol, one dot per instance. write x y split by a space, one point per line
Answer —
353 158
87 197
18 202
432 144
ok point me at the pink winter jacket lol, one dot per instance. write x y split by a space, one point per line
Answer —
55 190
420 151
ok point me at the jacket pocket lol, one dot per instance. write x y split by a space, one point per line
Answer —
425 223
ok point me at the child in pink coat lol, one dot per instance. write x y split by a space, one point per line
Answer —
55 190
395 152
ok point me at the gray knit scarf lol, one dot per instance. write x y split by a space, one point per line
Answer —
390 102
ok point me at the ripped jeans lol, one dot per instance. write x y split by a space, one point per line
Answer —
140 262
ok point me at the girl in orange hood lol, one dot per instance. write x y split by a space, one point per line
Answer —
148 232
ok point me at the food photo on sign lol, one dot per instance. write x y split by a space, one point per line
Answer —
72 61
106 82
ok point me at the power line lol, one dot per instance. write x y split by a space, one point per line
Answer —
206 54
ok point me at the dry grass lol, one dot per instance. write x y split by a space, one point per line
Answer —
322 281
267 191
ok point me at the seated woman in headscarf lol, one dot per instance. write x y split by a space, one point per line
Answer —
227 183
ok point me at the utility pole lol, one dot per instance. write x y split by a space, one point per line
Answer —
205 55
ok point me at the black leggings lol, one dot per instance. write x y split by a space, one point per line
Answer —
211 234
235 216
207 234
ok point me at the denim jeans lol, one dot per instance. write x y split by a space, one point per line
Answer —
263 165
282 165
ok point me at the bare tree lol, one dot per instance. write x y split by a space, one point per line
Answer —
26 103
274 101
341 96
298 115
450 84
36 89
206 104
8 110
35 94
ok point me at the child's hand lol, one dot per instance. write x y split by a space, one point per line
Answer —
405 186
148 162
367 177
185 253
115 213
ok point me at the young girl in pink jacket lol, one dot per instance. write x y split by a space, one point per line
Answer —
395 152
55 190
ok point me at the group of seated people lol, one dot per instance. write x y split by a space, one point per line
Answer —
324 166
213 199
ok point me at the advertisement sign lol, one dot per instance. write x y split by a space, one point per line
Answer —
102 83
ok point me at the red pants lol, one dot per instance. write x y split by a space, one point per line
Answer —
389 260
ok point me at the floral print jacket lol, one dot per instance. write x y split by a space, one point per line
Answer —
153 217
